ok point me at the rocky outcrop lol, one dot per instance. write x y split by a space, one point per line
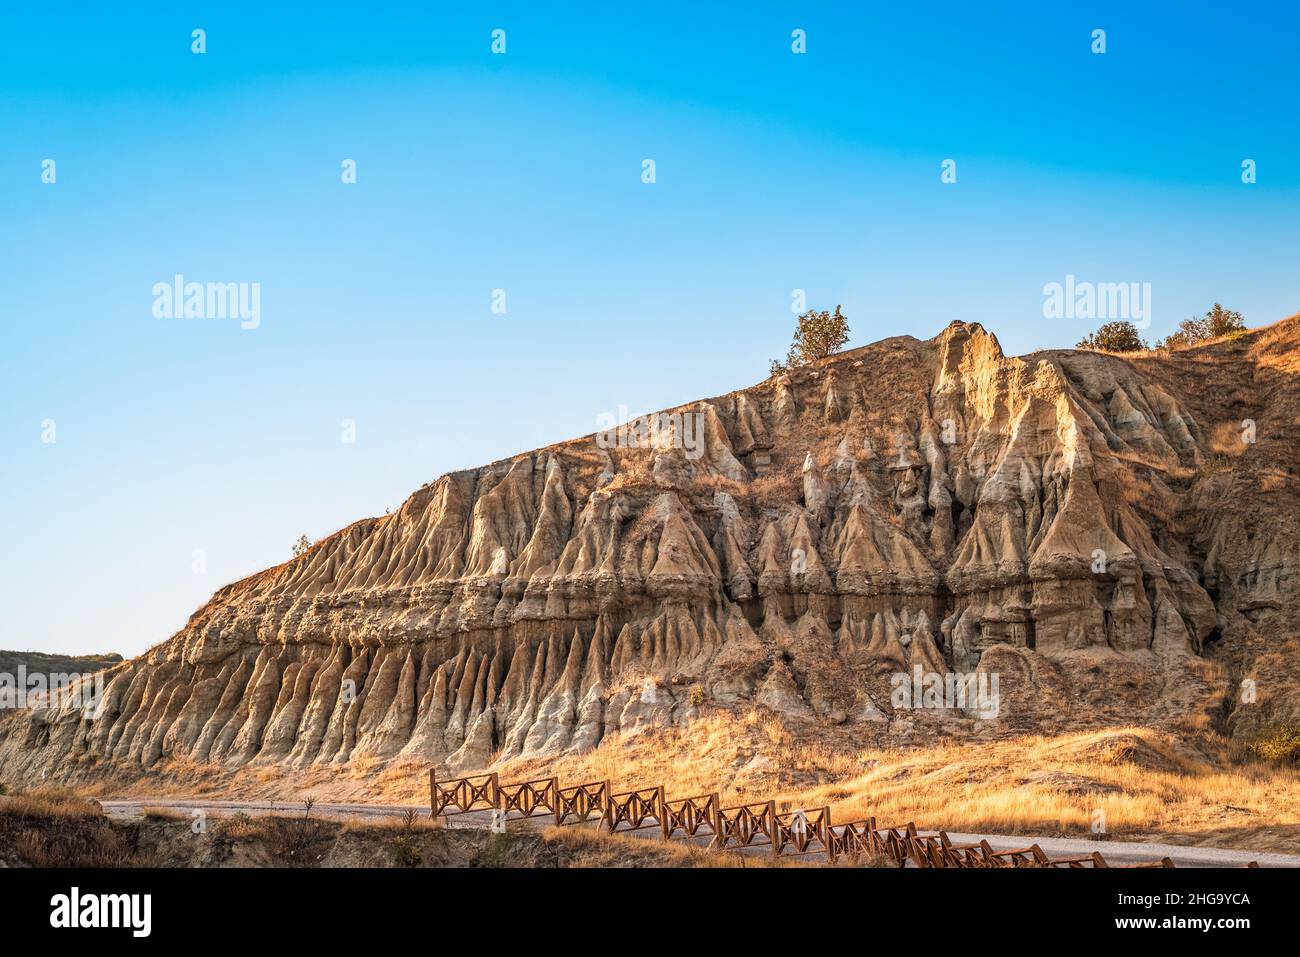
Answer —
906 508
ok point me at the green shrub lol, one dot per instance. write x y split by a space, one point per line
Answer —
1118 336
1279 745
1215 323
817 335
405 851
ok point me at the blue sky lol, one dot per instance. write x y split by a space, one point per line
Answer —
522 172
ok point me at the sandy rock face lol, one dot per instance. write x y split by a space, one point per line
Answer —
909 508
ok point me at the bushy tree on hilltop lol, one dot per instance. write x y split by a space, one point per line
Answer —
818 335
1120 336
1215 323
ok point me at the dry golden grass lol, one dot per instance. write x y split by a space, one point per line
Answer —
697 759
1129 781
1226 440
1273 480
50 804
1145 491
392 825
587 847
60 828
1275 345
239 827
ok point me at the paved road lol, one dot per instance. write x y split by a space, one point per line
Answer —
1116 852
133 807
1128 852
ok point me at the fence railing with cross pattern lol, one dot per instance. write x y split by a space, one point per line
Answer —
756 824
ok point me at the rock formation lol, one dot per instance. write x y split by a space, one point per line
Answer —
1067 521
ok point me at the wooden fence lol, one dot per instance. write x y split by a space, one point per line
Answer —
746 825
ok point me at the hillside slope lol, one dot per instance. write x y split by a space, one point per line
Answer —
1090 529
33 661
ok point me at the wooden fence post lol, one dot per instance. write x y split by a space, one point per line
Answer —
830 835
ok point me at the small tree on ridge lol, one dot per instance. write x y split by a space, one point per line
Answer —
1120 336
818 335
1215 323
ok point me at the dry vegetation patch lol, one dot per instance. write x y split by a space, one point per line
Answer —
589 847
57 828
1125 783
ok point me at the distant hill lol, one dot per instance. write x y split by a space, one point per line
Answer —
36 661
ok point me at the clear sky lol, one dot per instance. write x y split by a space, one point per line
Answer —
523 172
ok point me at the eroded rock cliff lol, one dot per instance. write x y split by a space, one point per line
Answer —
1082 526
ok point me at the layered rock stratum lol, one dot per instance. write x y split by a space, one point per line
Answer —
1114 538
